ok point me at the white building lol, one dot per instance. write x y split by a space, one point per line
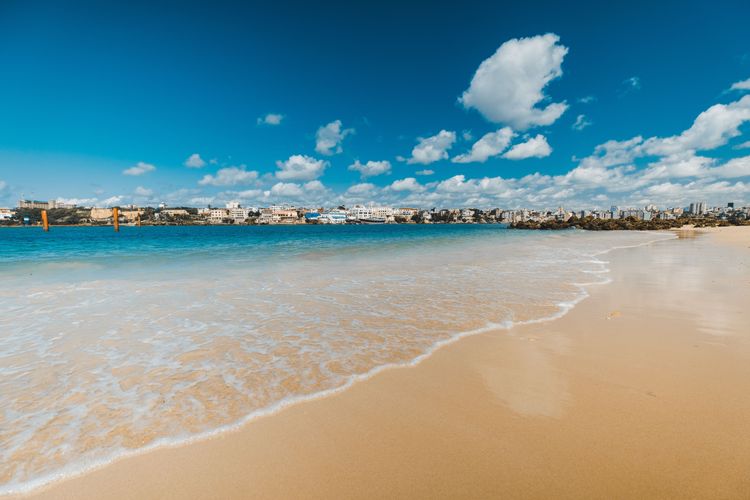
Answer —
371 213
217 215
335 216
239 214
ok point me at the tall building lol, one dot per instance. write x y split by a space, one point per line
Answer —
698 208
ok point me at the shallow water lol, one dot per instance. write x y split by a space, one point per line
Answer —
114 343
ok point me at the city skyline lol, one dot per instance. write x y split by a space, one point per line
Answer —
206 106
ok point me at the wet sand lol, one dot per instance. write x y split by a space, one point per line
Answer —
643 390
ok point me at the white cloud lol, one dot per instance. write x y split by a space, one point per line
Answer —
491 144
270 119
587 99
195 161
736 167
743 145
81 202
581 123
140 168
230 176
371 168
328 138
314 186
426 171
363 188
510 84
535 147
431 149
743 85
142 191
300 168
286 190
248 194
201 201
407 184
111 201
711 129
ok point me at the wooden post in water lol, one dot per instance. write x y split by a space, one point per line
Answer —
45 221
116 218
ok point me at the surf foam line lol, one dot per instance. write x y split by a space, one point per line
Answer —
77 469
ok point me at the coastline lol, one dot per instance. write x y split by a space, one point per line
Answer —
464 406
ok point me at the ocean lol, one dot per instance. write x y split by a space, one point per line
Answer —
116 343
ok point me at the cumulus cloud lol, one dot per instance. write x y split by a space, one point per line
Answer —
586 99
230 176
81 202
139 168
300 168
112 201
491 144
144 192
314 186
371 168
711 129
361 189
431 149
742 145
535 147
407 184
270 119
286 190
195 161
581 123
426 171
509 85
742 85
329 137
668 171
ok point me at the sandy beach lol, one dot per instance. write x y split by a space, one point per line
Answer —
641 391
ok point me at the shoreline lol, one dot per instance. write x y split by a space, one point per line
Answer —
80 484
75 471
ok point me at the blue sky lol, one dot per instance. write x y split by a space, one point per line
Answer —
585 105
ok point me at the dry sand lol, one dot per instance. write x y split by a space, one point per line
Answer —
642 391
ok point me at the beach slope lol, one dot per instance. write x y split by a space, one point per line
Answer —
641 391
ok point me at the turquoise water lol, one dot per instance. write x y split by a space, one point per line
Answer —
117 343
32 244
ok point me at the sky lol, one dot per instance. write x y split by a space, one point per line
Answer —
426 104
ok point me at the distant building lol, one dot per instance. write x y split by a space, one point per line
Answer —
100 213
698 208
6 213
175 212
335 216
238 214
44 205
278 215
406 212
218 215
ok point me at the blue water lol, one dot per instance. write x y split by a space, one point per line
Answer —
60 243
